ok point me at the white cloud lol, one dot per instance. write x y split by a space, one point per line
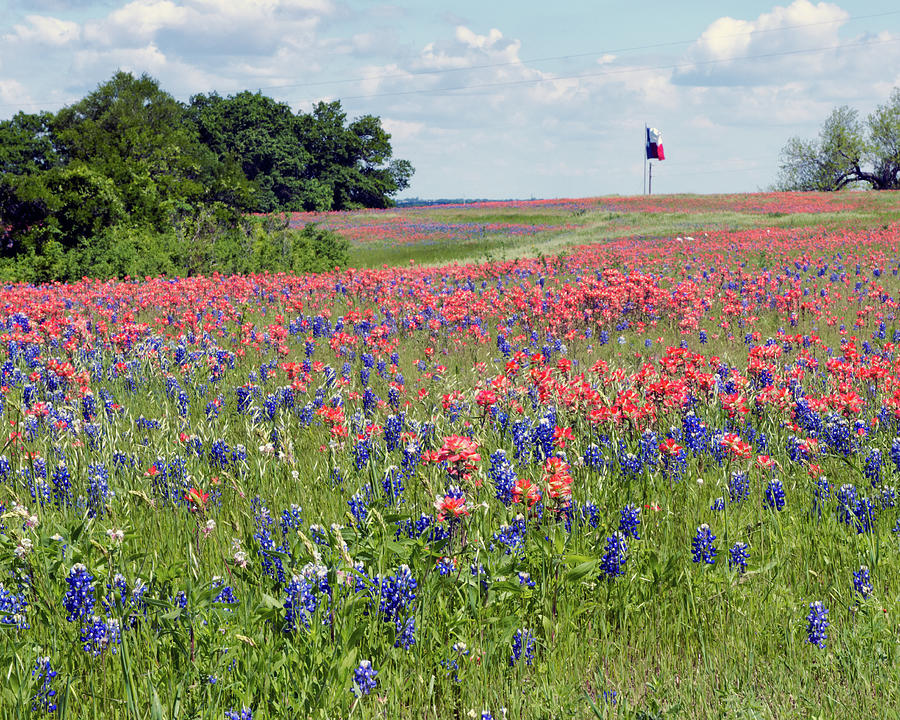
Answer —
44 30
14 95
402 130
787 42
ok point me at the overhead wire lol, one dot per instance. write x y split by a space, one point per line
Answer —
443 71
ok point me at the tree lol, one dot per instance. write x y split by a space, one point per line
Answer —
27 144
136 134
261 136
847 152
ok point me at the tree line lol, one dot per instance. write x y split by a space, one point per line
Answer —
128 180
849 152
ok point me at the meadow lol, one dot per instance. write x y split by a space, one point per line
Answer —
619 457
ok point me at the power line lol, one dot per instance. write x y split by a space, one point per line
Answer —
620 71
634 48
544 59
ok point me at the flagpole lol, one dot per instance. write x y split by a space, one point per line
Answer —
651 179
645 158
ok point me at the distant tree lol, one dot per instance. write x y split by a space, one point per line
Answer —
136 134
26 144
130 181
301 161
355 162
847 152
261 135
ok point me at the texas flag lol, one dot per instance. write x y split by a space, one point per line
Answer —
654 145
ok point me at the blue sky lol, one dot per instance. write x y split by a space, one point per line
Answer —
494 98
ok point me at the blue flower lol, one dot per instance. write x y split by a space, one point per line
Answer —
79 599
614 558
738 556
703 549
817 623
364 680
44 699
13 609
101 634
244 714
738 487
523 645
629 520
861 582
775 494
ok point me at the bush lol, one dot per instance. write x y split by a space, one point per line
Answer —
211 238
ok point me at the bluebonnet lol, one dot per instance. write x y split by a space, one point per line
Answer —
862 583
629 519
117 592
392 484
362 450
101 634
478 570
738 487
542 436
393 427
98 489
592 457
243 714
864 514
836 434
291 519
13 609
614 558
62 486
738 554
521 432
304 594
649 446
821 493
445 565
846 503
262 519
888 497
225 594
718 504
702 546
452 663
79 598
359 505
512 536
364 680
589 514
817 623
502 475
872 466
775 494
895 453
522 646
630 464
45 698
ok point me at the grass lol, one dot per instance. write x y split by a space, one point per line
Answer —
184 402
569 229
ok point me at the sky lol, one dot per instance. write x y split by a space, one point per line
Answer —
494 98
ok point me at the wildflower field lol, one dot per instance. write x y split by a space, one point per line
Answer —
640 464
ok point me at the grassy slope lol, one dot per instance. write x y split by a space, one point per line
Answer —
596 225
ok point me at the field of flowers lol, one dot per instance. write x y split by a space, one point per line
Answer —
643 479
484 231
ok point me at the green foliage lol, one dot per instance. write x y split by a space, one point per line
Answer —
26 144
848 152
128 181
299 161
260 134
